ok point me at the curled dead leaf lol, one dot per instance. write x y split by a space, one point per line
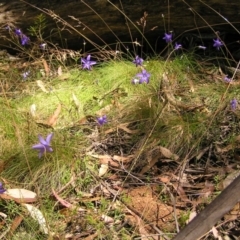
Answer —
62 201
103 169
37 215
107 219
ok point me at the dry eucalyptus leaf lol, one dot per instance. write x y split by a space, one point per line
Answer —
19 195
109 161
53 119
123 159
76 101
192 215
59 71
228 180
107 219
46 67
33 110
37 215
41 85
103 169
15 223
215 233
62 201
124 127
168 154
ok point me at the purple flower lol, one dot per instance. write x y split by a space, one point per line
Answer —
138 61
227 79
233 104
2 189
177 46
43 46
18 32
102 120
44 145
86 63
24 39
217 43
202 47
168 37
143 77
25 74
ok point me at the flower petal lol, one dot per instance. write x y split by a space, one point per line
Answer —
42 140
38 146
49 138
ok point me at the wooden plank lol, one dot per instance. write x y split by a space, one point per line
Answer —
206 219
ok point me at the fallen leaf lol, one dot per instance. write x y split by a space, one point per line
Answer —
76 101
164 179
103 169
107 219
123 159
33 110
62 201
19 195
37 215
124 128
15 223
59 71
46 67
227 181
112 161
108 161
181 192
41 85
92 237
192 215
53 119
168 154
215 232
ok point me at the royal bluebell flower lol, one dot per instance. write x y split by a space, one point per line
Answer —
44 145
43 46
233 104
177 46
135 81
143 77
168 37
2 189
87 63
18 32
227 79
217 43
138 61
202 47
24 39
26 75
102 120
